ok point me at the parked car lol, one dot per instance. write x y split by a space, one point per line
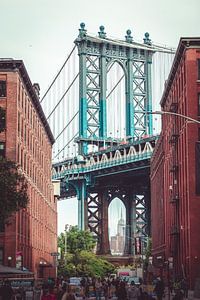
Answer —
135 279
75 280
75 283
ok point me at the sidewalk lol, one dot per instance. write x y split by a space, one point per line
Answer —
190 296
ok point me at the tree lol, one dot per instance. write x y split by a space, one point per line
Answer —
77 240
85 263
80 260
13 190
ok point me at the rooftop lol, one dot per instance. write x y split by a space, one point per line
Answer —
184 43
10 65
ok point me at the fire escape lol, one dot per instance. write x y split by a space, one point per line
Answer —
174 188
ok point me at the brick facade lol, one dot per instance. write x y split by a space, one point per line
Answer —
175 168
32 234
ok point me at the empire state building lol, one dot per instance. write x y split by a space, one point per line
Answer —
117 242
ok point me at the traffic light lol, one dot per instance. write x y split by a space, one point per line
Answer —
138 246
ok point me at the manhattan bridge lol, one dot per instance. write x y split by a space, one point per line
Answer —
99 107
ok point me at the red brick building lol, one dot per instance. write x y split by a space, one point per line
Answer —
175 169
27 139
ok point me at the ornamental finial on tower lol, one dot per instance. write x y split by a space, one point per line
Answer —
101 33
129 38
146 39
82 30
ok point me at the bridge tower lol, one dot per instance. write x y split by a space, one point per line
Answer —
96 189
96 55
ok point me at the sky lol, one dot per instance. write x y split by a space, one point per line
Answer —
41 33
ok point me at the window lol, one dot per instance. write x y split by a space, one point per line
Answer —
198 68
198 104
2 149
18 122
1 256
197 154
2 88
2 119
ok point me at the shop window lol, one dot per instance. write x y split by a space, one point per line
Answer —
1 256
2 227
198 104
197 168
2 150
198 68
2 88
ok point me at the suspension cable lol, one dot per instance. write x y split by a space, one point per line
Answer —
66 145
67 125
63 95
115 86
58 74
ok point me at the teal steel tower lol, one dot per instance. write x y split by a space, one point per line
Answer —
118 170
96 55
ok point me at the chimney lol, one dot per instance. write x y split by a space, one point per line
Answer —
37 89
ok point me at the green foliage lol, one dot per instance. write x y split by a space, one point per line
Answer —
148 252
77 240
80 260
2 119
13 189
85 263
148 249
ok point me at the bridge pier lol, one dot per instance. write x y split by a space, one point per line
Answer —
82 206
130 224
103 243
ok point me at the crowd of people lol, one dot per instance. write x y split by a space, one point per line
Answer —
109 288
98 288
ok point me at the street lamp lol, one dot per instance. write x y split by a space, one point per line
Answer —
66 228
9 260
161 112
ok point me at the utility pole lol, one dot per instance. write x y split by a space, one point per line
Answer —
66 228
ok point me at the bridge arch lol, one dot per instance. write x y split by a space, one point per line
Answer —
120 62
116 100
117 226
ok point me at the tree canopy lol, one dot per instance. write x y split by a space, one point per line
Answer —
77 240
80 259
13 189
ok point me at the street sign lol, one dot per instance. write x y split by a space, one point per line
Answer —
55 253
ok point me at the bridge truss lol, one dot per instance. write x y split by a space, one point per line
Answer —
104 130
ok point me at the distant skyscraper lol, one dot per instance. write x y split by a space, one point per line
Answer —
121 226
117 241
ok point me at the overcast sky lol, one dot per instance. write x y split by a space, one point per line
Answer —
41 32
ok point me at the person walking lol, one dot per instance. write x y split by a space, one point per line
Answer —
49 294
98 288
69 295
159 288
6 291
133 292
121 291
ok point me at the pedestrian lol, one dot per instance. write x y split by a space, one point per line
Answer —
69 295
6 291
178 295
49 294
159 288
121 291
133 292
184 287
61 292
87 288
98 288
105 289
